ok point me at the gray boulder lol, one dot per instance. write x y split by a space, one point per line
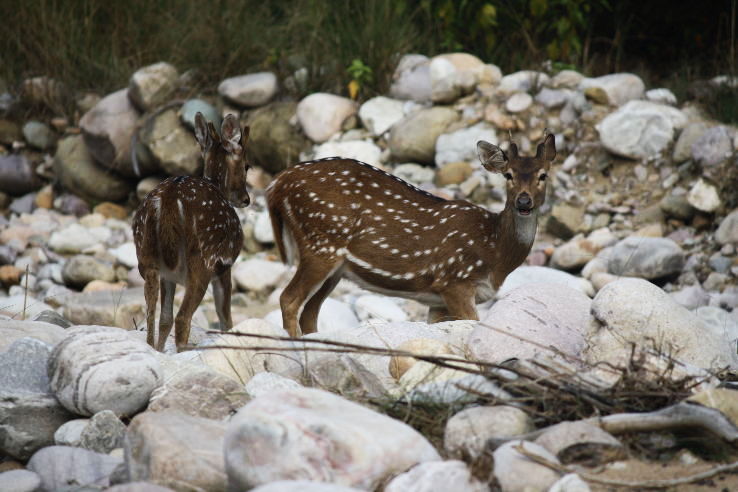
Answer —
689 135
515 472
414 137
153 85
713 146
39 135
193 106
322 115
619 88
20 481
108 308
62 466
172 145
12 330
80 270
17 175
468 431
254 89
275 143
646 257
461 145
727 232
412 79
437 476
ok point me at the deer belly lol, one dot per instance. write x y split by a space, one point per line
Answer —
391 288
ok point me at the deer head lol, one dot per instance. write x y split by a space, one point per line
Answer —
224 156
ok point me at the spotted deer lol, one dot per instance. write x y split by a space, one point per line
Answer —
343 218
187 232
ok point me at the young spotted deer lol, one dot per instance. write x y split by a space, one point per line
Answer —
343 218
186 232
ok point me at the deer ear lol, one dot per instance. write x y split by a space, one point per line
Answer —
547 149
201 132
230 132
491 156
245 135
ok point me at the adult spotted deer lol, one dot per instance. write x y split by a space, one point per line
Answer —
186 232
343 218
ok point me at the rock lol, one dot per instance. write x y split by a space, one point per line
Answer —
343 375
49 316
437 476
565 220
138 487
20 481
570 482
691 296
302 486
120 308
727 232
719 321
461 145
640 129
193 106
704 196
241 363
412 79
76 238
689 135
428 384
661 96
274 142
568 79
39 135
125 254
202 393
454 173
68 204
676 206
713 146
268 382
70 433
619 88
453 75
399 365
722 399
646 257
361 150
146 185
102 433
334 315
415 173
23 205
511 466
176 450
321 115
153 85
10 275
265 441
79 270
17 175
414 137
379 114
573 254
254 89
12 330
172 145
78 172
550 315
23 366
581 442
111 210
551 98
522 81
61 466
468 431
524 275
379 307
257 275
107 130
9 132
518 102
102 368
630 310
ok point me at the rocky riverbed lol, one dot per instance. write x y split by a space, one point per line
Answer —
635 254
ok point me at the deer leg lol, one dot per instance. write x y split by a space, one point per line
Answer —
222 294
309 316
151 293
195 290
310 276
459 301
166 317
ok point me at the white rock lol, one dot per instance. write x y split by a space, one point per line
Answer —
619 87
727 232
348 444
361 150
257 275
102 368
640 129
153 85
568 79
379 307
70 434
516 472
334 316
536 274
646 257
570 483
126 254
263 231
411 79
530 317
704 196
522 81
519 102
461 145
76 238
378 114
321 115
302 486
661 96
255 89
20 481
468 431
437 476
265 383
414 173
636 311
61 466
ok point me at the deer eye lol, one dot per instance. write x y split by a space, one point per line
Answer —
542 177
508 176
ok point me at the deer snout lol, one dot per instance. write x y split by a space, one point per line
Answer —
240 200
524 203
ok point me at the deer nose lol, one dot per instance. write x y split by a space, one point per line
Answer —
524 201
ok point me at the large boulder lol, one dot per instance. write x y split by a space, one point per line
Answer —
634 311
176 450
455 74
12 330
250 90
646 257
691 133
322 115
525 274
640 129
108 128
274 141
60 466
361 150
121 308
101 368
80 270
412 79
17 175
172 145
727 232
530 318
468 431
153 85
461 145
516 472
713 146
78 172
348 444
414 138
437 476
617 88
380 113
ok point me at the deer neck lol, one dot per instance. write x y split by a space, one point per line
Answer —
518 231
215 173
